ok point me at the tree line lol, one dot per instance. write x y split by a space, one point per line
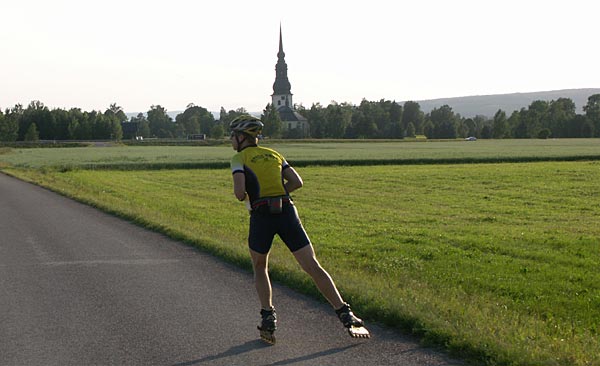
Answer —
387 119
368 120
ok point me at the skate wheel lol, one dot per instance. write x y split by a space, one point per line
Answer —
267 337
359 332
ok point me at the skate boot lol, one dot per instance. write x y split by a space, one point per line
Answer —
268 325
356 327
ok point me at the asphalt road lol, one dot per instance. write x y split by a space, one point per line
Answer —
80 287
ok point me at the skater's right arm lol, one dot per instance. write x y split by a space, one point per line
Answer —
293 179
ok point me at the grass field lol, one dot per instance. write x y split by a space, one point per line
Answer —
182 156
496 262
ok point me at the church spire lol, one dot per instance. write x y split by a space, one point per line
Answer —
281 86
280 54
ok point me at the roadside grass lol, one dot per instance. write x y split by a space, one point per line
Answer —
498 263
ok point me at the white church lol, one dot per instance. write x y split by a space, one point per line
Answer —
282 98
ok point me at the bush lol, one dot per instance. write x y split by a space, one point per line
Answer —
544 133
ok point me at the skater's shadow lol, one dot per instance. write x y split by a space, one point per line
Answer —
312 356
257 344
233 351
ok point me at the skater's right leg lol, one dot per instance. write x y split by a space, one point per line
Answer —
260 265
308 261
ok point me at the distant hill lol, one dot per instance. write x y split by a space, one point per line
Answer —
488 105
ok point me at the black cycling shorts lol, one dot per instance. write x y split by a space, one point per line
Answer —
264 226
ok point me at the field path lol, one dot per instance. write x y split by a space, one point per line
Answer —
80 287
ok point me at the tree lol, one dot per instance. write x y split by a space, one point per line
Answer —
316 120
86 121
161 125
39 114
500 125
32 133
143 127
486 131
561 113
381 117
397 129
412 114
533 118
429 129
338 117
116 111
217 132
9 127
592 112
580 126
272 121
188 122
76 124
472 128
410 130
363 120
114 118
61 119
195 119
544 133
519 124
444 122
462 128
116 132
99 128
223 116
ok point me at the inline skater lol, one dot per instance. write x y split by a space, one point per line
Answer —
263 178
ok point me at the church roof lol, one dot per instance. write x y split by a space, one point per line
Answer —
287 114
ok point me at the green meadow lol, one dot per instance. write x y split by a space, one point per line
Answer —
302 153
497 263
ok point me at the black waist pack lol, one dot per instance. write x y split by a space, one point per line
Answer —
275 205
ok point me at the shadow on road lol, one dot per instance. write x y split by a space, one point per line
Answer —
312 356
257 344
233 351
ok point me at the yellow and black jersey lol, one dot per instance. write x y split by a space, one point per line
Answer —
263 168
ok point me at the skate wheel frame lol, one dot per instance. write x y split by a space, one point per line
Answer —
267 337
358 332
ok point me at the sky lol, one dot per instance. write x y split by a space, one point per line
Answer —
89 54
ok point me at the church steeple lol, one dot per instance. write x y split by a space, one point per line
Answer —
280 54
282 94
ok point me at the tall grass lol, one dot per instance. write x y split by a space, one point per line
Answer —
497 262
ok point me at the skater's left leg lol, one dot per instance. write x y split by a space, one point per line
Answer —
260 264
308 261
268 325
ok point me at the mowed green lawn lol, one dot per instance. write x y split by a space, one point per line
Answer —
151 156
497 262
